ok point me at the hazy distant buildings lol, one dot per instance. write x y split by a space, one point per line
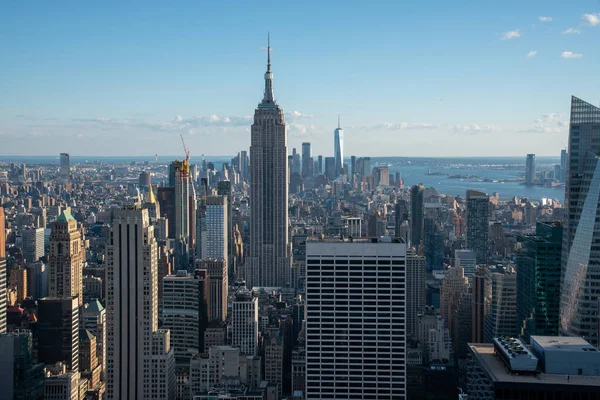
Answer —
307 161
478 221
564 159
330 168
338 149
365 356
269 261
530 177
580 275
65 165
3 293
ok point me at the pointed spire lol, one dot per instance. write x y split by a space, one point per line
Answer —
269 96
339 125
269 52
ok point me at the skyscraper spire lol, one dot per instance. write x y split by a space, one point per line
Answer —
269 52
269 97
339 126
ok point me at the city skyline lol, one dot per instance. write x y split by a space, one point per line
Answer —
408 75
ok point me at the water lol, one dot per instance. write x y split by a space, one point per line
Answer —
489 175
432 172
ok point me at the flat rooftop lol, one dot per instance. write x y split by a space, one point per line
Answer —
563 344
496 370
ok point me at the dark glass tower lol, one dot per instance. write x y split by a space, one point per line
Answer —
478 221
538 281
416 215
580 272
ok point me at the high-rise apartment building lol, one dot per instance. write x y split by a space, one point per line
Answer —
58 331
132 308
65 165
538 281
481 302
217 238
37 280
33 244
502 317
93 319
433 243
218 287
478 221
415 290
356 319
307 161
338 148
185 312
244 323
269 261
66 259
455 283
580 276
181 171
224 189
416 215
466 259
530 177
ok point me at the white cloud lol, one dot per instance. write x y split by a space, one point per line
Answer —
298 114
591 19
532 53
570 54
300 130
388 126
440 99
545 19
511 35
547 123
475 128
571 31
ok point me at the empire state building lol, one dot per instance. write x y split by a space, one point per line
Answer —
268 264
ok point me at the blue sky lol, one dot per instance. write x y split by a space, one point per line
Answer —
437 78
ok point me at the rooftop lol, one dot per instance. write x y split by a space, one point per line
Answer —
563 344
65 216
495 369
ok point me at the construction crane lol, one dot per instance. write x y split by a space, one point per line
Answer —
184 170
